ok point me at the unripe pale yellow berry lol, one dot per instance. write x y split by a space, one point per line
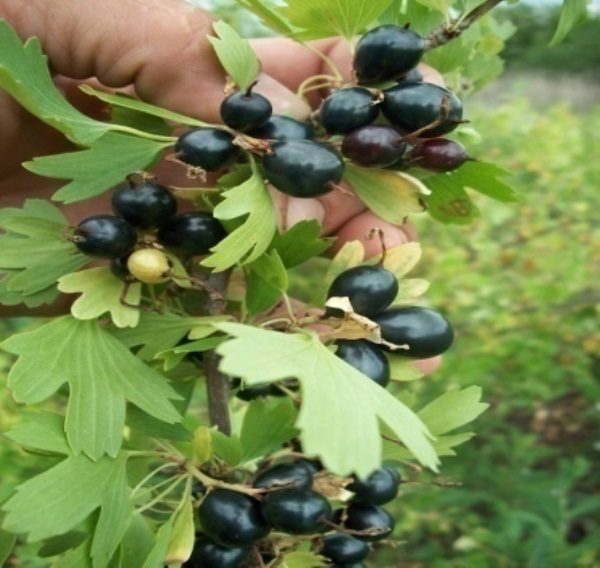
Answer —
150 266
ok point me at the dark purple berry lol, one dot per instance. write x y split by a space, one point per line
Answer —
439 155
365 357
118 266
284 128
207 554
348 109
296 474
105 236
374 522
344 549
296 511
146 205
379 488
245 110
374 146
413 76
208 148
191 233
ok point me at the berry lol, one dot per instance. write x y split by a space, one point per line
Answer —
295 474
354 565
374 146
232 519
191 233
348 109
256 391
280 127
412 106
208 148
146 205
387 52
369 518
371 289
367 358
344 549
207 554
303 168
150 266
425 331
296 511
245 110
118 266
105 236
413 76
379 488
440 155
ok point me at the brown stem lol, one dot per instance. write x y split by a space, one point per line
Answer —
448 32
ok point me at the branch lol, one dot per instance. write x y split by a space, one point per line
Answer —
448 32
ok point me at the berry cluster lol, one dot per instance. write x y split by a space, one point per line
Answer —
286 500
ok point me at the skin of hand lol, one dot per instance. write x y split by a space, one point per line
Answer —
157 50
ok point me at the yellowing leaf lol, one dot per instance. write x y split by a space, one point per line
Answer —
402 259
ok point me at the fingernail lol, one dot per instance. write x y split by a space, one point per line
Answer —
301 209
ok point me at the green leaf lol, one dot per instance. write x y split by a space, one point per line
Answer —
484 178
202 445
125 101
438 5
391 195
410 290
572 13
236 55
252 238
302 559
443 446
156 557
102 374
136 543
139 121
402 369
228 448
300 243
268 424
96 169
59 499
41 431
266 281
101 292
174 356
182 536
62 543
7 544
319 19
77 558
268 16
339 418
142 422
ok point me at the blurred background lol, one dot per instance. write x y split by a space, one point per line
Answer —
520 287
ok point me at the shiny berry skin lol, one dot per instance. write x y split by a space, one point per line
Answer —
245 110
296 511
303 168
426 332
146 205
208 148
297 475
118 266
105 236
280 127
413 76
344 549
439 155
379 488
371 289
230 518
348 109
207 554
149 265
387 52
191 233
374 146
365 517
412 106
365 357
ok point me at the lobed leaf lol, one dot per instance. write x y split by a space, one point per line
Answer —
572 13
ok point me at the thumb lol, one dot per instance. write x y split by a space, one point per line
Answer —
158 46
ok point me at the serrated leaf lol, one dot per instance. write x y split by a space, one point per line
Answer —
344 433
102 374
41 431
100 167
236 55
391 195
441 6
252 238
402 369
174 356
572 13
59 499
62 543
268 16
139 121
443 446
228 448
410 290
266 281
101 292
142 422
403 258
449 202
7 544
300 243
319 19
302 559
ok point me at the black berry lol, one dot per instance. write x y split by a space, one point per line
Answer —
344 549
296 511
348 109
367 358
413 76
105 236
207 554
297 475
281 128
245 110
387 52
439 155
118 266
413 106
191 233
207 148
146 205
425 331
303 168
232 519
371 289
374 146
379 488
374 522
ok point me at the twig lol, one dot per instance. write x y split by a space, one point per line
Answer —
447 32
